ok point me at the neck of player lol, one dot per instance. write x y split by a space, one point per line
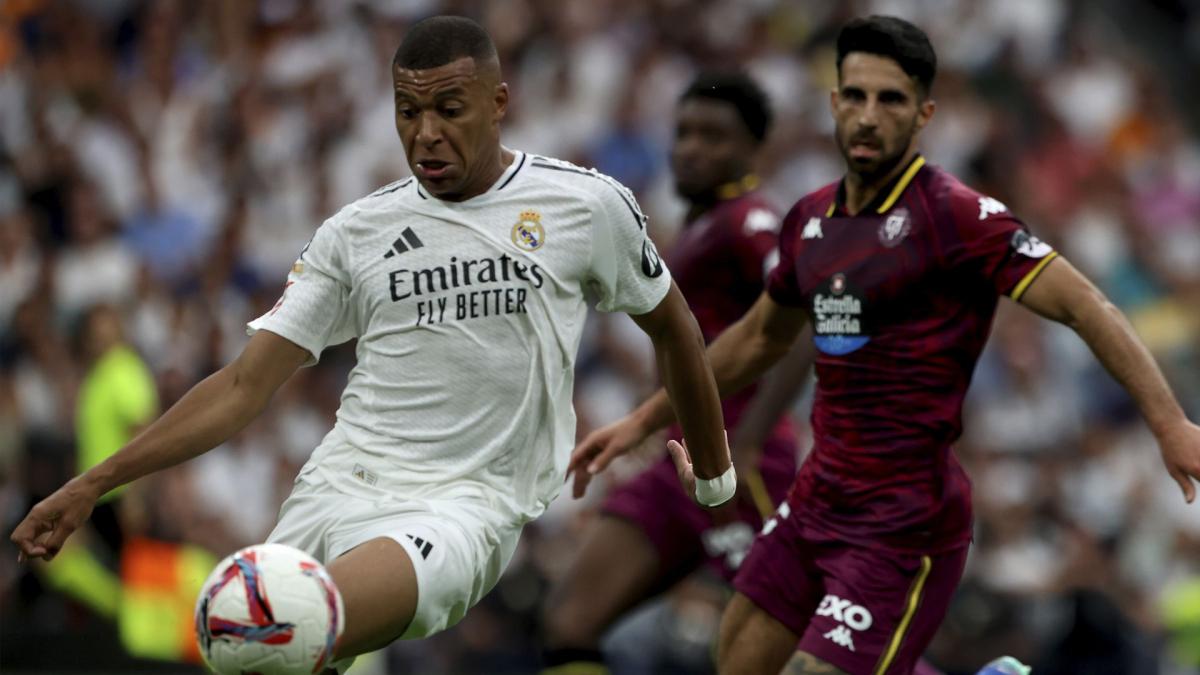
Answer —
490 170
862 190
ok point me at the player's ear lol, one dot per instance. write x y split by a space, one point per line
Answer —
500 99
925 110
833 101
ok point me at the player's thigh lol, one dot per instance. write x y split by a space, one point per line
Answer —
616 568
379 589
880 609
751 641
803 663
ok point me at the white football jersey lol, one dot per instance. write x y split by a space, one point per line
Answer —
468 317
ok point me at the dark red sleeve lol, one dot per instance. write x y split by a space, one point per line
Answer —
987 242
781 283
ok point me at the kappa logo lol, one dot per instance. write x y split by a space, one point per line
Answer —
841 636
760 220
989 206
405 242
850 618
651 263
812 229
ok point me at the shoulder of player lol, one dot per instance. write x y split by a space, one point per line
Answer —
957 201
587 184
812 205
749 214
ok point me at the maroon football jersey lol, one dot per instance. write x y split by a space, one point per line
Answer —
720 263
901 297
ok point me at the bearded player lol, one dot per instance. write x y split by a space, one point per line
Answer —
899 268
651 533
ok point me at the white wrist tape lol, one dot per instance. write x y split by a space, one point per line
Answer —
717 491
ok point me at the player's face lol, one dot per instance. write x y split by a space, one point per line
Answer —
449 123
712 146
878 112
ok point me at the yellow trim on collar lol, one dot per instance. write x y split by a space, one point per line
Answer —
904 181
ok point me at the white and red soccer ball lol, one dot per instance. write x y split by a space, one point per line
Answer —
269 609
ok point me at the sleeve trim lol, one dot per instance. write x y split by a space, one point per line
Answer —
1023 284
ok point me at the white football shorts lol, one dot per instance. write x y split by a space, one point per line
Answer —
459 550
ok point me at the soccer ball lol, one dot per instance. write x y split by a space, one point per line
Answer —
269 609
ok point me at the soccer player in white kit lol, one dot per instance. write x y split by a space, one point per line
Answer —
465 288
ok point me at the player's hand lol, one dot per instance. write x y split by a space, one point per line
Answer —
1181 453
52 520
683 467
600 448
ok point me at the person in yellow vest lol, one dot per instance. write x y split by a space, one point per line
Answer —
117 397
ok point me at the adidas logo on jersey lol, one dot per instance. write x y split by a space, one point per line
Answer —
406 241
812 229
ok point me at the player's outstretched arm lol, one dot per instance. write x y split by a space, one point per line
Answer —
212 411
737 357
1061 293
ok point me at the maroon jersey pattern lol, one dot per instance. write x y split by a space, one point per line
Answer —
901 297
720 263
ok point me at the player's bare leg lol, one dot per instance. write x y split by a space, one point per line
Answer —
753 642
803 663
617 568
379 588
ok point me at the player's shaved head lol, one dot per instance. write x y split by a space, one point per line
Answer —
440 40
449 103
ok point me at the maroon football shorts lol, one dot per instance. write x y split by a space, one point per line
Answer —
865 611
686 535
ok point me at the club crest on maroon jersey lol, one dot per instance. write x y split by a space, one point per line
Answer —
895 228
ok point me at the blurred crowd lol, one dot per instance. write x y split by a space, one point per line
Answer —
164 162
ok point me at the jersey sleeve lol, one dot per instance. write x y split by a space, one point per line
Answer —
756 241
626 270
781 282
314 310
991 244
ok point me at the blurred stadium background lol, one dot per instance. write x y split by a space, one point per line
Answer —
167 160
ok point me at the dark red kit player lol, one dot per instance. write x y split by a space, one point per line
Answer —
899 268
651 533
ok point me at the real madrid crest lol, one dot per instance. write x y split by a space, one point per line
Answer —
528 234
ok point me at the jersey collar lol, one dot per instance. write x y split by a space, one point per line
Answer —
885 199
505 178
737 188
